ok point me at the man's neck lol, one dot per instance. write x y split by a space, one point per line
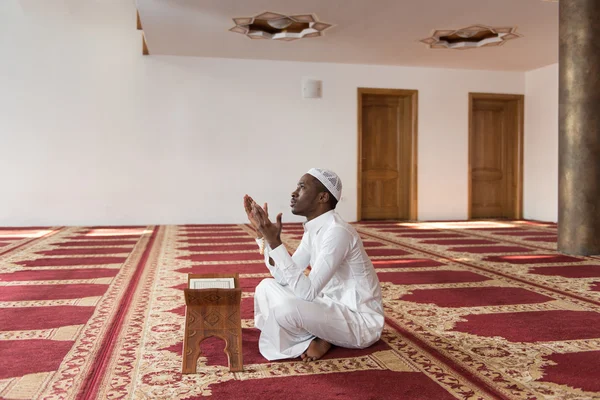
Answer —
317 213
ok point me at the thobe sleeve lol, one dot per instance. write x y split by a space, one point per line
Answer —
335 246
301 256
275 272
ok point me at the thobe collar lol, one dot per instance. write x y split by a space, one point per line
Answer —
314 226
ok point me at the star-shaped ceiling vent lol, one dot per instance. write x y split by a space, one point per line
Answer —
270 25
472 37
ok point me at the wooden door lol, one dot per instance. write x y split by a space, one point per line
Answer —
494 157
385 157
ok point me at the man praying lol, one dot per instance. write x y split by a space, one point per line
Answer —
339 302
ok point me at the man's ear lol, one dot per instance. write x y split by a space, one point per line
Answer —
324 197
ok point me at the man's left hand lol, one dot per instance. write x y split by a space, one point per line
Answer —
270 231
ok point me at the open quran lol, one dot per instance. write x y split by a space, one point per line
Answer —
211 283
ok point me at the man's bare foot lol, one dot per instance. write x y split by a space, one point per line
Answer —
316 349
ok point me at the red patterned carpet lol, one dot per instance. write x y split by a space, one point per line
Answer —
475 310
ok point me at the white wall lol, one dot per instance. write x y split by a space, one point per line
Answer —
541 144
92 132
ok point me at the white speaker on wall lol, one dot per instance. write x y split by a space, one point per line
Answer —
311 88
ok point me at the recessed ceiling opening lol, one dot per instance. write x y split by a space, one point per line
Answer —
274 26
472 37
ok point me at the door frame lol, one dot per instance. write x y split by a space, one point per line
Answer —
413 96
520 99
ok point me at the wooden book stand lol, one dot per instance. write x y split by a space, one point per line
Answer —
213 312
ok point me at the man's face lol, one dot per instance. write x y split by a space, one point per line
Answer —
305 197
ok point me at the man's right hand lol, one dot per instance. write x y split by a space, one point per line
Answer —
248 205
270 231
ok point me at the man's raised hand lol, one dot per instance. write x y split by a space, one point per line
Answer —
248 205
270 231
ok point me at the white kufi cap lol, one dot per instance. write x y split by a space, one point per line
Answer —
329 179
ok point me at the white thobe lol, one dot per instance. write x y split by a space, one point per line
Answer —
339 301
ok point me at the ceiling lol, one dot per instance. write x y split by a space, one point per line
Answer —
384 32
